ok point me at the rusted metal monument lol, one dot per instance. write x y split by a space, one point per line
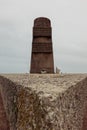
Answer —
42 50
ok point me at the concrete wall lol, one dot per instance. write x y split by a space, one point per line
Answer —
9 96
30 108
85 119
66 112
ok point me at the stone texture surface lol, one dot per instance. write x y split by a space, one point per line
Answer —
9 95
4 124
49 102
85 119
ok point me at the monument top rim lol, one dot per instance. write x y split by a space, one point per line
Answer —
42 21
42 18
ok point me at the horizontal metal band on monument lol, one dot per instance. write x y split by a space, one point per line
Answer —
39 42
45 32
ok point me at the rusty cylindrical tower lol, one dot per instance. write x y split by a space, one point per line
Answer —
42 50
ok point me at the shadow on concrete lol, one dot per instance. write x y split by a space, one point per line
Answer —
4 124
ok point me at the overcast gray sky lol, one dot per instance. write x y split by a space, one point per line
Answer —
69 28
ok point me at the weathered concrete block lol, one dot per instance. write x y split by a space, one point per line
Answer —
48 102
9 95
